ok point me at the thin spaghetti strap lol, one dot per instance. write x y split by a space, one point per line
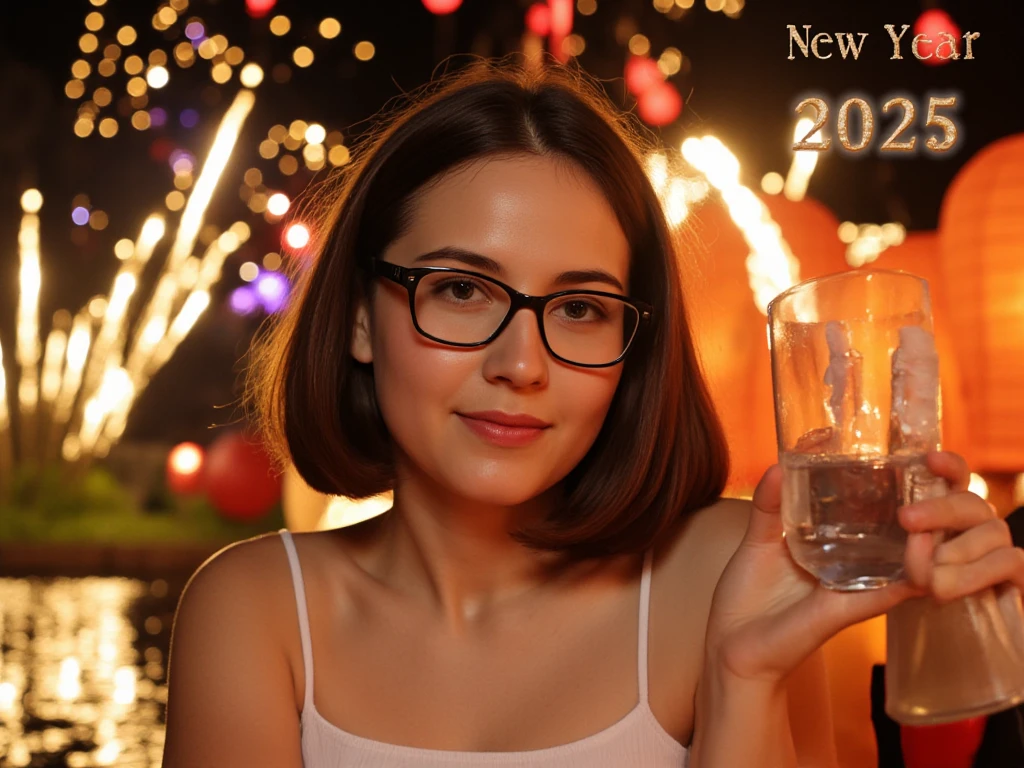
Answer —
645 614
303 612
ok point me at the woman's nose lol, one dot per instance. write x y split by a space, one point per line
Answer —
518 355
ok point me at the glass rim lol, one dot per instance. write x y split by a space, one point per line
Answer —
835 277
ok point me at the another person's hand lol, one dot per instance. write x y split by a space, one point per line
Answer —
768 614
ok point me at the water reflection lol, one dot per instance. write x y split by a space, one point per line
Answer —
83 671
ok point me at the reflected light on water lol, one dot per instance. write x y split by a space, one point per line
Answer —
81 683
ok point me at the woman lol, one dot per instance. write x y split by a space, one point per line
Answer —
558 582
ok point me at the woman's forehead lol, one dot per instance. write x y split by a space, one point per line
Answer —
525 211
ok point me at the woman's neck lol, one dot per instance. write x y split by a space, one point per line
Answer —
458 554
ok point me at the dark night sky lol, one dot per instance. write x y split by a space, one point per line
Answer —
741 87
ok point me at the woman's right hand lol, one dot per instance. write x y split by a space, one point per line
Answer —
769 614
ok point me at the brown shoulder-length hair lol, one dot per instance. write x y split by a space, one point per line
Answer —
661 452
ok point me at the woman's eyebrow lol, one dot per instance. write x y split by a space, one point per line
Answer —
485 263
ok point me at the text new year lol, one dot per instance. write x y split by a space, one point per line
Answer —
822 45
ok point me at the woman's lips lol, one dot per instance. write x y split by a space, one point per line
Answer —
500 434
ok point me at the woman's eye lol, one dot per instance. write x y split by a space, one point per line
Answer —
580 309
576 309
458 289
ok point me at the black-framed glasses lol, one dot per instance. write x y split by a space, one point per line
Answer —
460 308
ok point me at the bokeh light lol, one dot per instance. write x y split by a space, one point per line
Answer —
441 7
249 271
98 220
259 8
772 183
278 204
302 56
243 300
330 28
174 201
157 77
296 236
279 25
124 249
315 134
251 75
364 50
126 35
221 72
189 118
639 45
288 165
186 458
339 155
133 65
31 200
272 290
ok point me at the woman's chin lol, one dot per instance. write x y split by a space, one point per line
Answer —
503 491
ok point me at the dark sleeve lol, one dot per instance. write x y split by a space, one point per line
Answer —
1016 521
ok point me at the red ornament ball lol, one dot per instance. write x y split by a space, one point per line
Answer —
660 104
259 8
441 7
932 24
538 19
241 481
641 74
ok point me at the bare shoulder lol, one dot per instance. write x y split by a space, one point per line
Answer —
231 694
688 564
701 544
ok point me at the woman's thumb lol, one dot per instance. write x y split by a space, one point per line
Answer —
766 518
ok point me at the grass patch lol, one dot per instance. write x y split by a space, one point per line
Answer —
46 506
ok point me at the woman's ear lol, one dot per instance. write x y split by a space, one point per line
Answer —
362 346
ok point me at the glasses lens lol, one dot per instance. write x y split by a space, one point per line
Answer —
589 330
460 308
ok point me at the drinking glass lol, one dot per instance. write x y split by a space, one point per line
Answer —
855 381
857 407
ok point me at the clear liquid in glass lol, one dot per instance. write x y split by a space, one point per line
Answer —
840 515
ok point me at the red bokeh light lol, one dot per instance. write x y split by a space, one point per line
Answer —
441 7
641 73
932 24
538 19
185 469
259 8
660 104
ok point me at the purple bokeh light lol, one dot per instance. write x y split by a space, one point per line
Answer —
157 116
272 288
243 300
80 216
182 156
189 118
194 30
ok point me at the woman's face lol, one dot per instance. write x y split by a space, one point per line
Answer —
535 218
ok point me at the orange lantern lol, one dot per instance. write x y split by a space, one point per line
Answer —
919 255
730 330
981 234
